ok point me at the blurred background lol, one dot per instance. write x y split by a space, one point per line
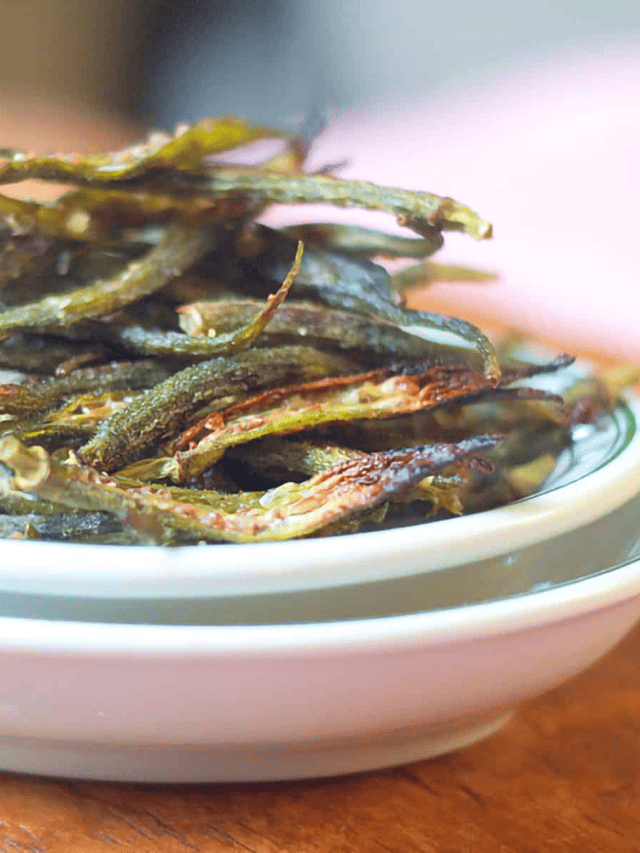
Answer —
164 62
528 112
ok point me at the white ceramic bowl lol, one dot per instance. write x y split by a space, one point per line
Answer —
159 703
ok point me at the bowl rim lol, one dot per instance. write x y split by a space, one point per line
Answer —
456 625
107 571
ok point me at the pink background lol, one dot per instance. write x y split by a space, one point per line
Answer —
549 155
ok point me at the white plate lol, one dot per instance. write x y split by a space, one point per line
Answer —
95 571
204 704
519 152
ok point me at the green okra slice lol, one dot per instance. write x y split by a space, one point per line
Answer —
187 151
364 242
167 165
398 390
109 217
304 457
419 211
38 396
141 341
212 498
318 325
22 503
288 511
164 409
310 458
364 519
184 150
178 250
354 284
54 436
429 272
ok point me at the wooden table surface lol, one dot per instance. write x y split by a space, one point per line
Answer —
563 776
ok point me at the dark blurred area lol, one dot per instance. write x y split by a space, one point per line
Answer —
160 61
272 60
251 57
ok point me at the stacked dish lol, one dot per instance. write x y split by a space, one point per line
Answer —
323 656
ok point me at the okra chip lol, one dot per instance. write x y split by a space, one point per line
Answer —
354 284
364 242
184 150
419 211
369 339
178 250
38 396
291 510
399 390
141 341
164 409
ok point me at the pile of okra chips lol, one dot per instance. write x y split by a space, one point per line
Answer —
181 373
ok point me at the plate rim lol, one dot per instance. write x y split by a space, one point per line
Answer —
191 571
459 624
